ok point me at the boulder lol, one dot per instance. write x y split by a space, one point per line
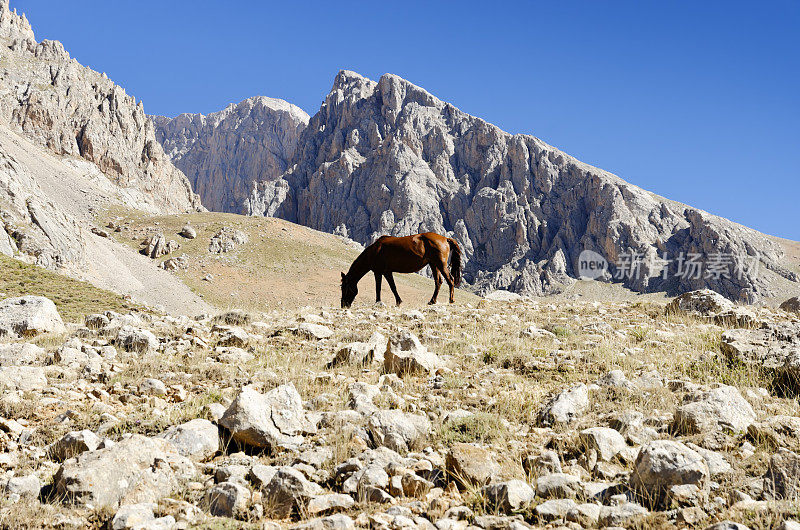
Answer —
312 331
566 406
23 378
509 496
662 464
604 441
227 499
616 516
289 492
136 340
398 430
405 354
782 479
197 439
337 521
132 516
329 503
28 316
792 305
271 420
554 509
471 465
558 486
722 408
361 353
704 302
135 469
27 487
188 231
72 444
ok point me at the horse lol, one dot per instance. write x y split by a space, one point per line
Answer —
407 254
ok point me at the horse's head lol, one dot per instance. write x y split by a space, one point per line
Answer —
349 291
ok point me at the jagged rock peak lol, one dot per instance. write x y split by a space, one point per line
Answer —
390 158
74 111
224 153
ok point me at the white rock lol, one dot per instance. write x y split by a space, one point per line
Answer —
27 316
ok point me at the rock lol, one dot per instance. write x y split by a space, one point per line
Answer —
792 305
727 525
332 522
618 515
155 246
566 406
509 496
313 331
174 264
554 509
76 112
777 431
227 499
722 408
226 240
260 475
16 354
23 378
604 441
188 231
558 486
361 353
271 420
704 302
26 487
236 337
398 430
72 444
152 387
372 477
405 354
289 492
717 465
782 479
197 439
133 516
543 464
662 464
224 153
136 340
471 465
28 316
501 295
372 135
328 503
586 514
135 469
415 486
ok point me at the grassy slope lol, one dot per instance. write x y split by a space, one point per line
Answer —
74 298
282 265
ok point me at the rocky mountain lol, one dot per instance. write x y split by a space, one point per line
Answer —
390 158
225 153
74 111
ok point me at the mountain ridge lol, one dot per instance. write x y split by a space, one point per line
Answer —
389 157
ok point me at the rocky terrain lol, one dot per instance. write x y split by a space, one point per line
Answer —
72 110
390 158
507 413
225 153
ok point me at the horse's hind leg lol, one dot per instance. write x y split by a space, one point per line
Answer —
393 287
437 282
449 279
377 287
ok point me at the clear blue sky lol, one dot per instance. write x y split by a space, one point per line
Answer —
698 101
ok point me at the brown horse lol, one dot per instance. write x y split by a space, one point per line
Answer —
404 254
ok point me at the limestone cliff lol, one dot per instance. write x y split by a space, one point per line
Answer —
74 111
390 158
225 153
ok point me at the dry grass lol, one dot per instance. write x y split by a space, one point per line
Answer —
74 299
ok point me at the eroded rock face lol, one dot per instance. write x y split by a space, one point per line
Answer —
73 110
225 153
390 158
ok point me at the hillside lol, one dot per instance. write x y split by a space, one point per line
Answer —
282 265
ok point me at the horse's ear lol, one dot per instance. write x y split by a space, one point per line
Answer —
342 276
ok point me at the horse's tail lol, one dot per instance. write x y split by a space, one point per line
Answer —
455 262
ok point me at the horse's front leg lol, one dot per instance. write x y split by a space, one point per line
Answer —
393 287
378 278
